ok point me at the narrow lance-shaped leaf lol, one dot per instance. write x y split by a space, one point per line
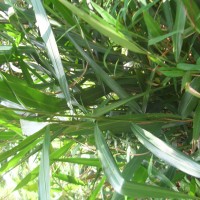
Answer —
122 186
168 14
179 26
188 67
31 176
100 111
69 179
188 101
44 173
95 192
131 167
144 8
193 13
196 123
166 152
105 28
158 176
106 78
34 173
49 39
16 91
153 27
82 161
14 161
155 40
20 146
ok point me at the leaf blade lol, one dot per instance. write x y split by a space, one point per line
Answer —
119 183
165 152
44 172
50 42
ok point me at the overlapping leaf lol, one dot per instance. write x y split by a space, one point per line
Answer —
122 186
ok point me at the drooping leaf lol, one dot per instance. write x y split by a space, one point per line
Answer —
122 186
19 93
166 152
104 28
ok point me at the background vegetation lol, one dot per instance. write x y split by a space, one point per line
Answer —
99 99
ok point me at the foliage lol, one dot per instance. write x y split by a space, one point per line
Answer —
100 99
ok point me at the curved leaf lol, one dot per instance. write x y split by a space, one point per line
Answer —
104 28
166 152
122 186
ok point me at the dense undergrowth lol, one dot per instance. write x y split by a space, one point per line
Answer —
100 99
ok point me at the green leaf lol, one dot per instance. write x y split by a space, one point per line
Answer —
69 179
51 45
130 171
158 177
11 126
18 92
122 186
186 79
31 176
106 78
61 151
34 173
188 101
106 16
103 110
179 26
66 13
188 67
44 172
171 72
168 14
196 123
13 162
82 161
104 28
9 135
193 14
96 191
143 9
5 50
153 27
166 152
155 40
26 142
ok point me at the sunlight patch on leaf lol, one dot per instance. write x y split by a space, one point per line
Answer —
31 127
